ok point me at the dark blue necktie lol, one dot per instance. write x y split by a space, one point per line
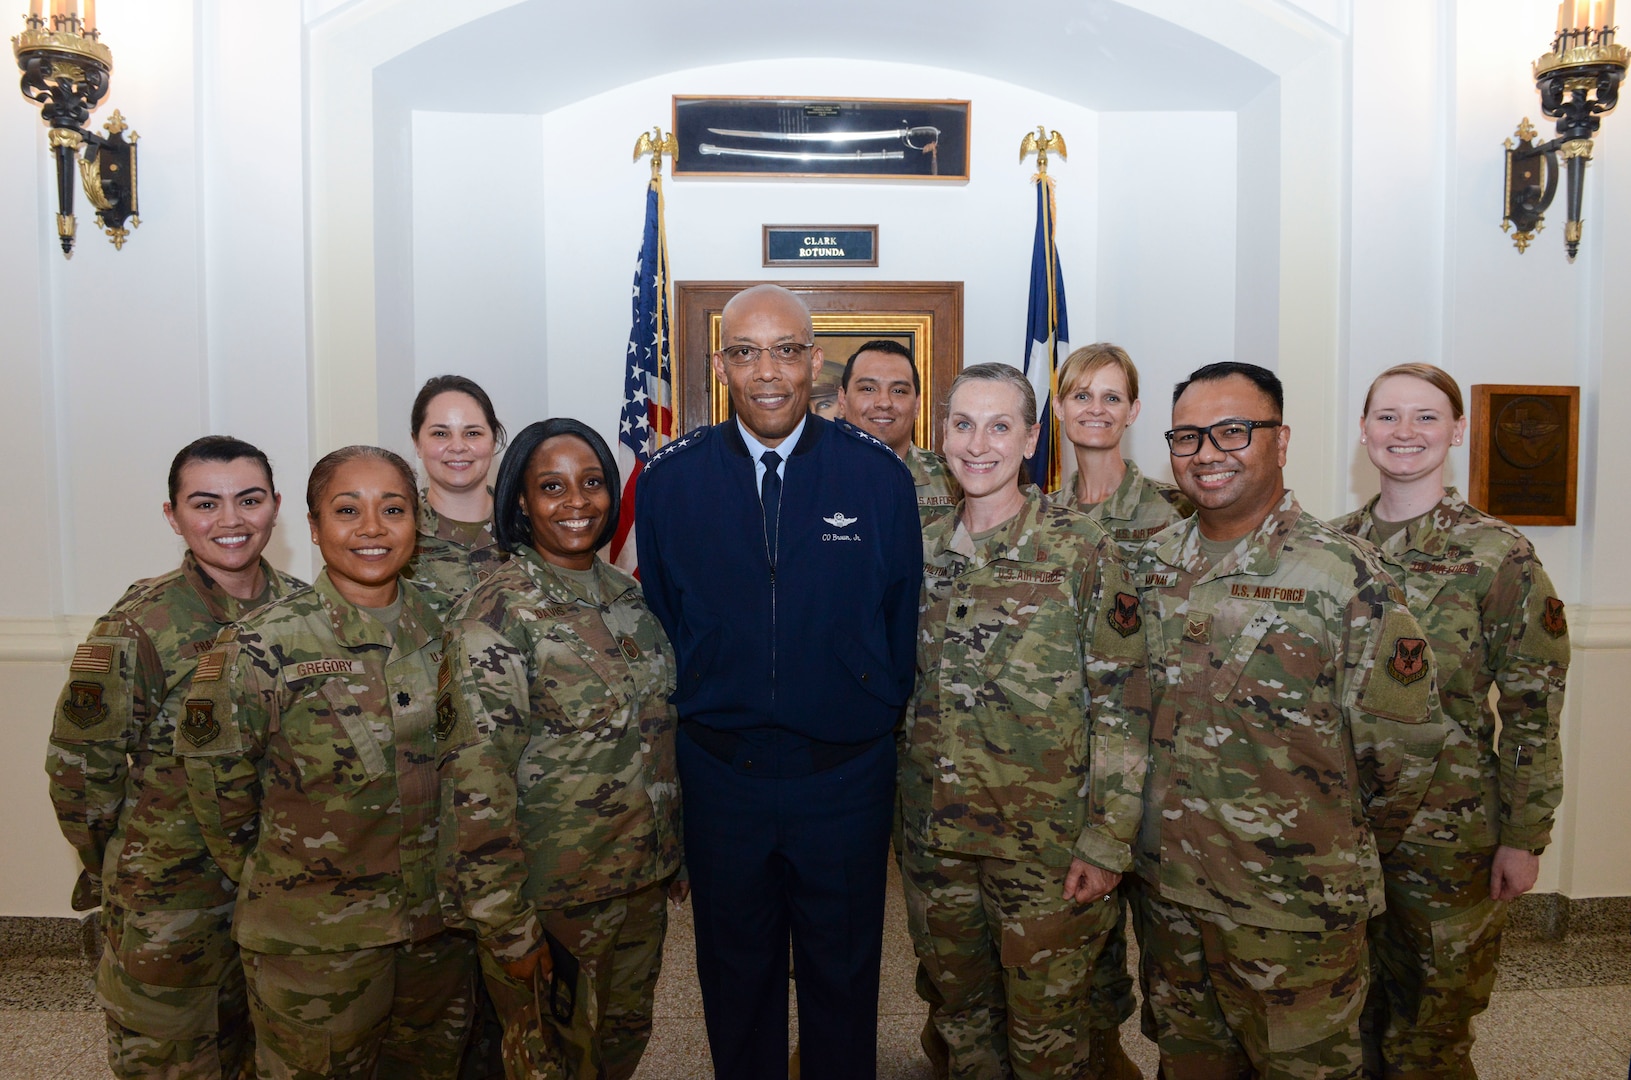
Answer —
770 500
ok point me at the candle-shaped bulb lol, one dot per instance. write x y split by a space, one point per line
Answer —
90 16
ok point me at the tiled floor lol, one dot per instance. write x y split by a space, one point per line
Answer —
1562 1011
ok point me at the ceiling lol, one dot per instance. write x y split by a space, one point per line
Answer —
541 55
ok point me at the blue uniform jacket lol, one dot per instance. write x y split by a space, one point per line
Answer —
823 647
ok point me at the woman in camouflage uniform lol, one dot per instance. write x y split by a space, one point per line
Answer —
1096 404
307 736
169 980
1021 769
560 803
456 435
1493 619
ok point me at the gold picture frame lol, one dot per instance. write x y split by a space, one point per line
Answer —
926 317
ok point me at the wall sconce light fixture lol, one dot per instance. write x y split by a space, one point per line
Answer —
1579 81
65 72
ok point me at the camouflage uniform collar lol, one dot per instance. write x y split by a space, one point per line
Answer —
1257 553
1432 534
352 629
433 524
1122 505
222 605
560 589
1016 542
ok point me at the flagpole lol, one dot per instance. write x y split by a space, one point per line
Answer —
1040 142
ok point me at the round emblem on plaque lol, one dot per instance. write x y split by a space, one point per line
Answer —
1529 432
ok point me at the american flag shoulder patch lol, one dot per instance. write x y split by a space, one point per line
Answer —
92 657
210 667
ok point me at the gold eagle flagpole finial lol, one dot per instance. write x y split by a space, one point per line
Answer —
655 143
1039 142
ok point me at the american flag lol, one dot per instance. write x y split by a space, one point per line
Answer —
647 421
1047 336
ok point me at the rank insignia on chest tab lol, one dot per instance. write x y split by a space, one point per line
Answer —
198 723
1198 629
1409 660
1553 620
446 717
1124 617
90 657
84 705
629 648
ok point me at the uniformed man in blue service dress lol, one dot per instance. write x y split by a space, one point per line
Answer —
782 554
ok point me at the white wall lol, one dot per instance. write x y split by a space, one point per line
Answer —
1336 221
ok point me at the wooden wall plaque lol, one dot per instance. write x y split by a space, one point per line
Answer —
1525 452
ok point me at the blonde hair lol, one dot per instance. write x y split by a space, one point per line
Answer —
1431 374
1083 362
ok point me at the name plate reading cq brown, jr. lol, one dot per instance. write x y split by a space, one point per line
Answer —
1525 452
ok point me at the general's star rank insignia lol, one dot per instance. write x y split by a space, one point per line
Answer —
1409 660
1552 619
199 723
84 705
1124 617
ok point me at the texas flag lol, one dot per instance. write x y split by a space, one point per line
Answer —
1047 335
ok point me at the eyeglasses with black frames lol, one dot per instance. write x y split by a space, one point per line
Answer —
787 352
1226 435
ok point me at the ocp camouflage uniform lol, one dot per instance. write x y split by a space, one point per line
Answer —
561 803
1137 510
311 766
1023 749
169 978
452 557
1294 736
1493 619
937 490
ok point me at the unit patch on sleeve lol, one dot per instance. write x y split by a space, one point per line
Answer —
198 723
1124 617
84 705
1552 619
1409 660
446 717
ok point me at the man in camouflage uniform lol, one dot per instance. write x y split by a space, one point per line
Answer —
1293 738
880 394
169 978
560 807
311 766
1022 759
1492 618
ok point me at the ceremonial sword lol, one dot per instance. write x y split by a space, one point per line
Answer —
802 155
907 133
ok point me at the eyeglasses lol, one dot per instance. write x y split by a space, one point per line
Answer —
787 352
1226 435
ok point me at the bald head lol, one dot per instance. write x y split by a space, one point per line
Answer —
770 395
764 298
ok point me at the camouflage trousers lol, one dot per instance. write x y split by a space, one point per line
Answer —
1233 1002
1111 997
618 944
173 990
401 1009
1009 959
1433 959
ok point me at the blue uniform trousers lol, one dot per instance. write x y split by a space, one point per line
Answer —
772 854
